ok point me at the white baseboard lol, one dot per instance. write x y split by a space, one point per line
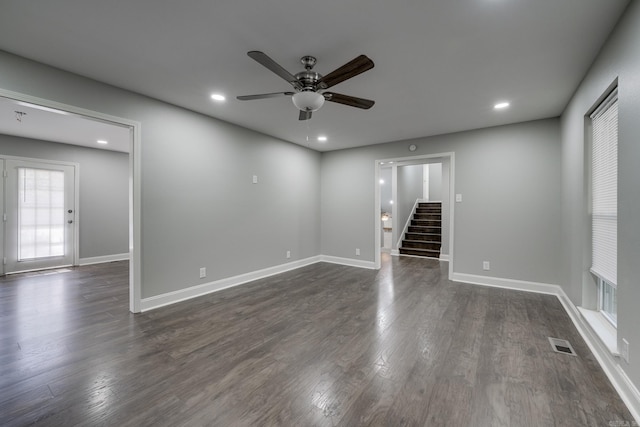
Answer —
444 257
348 261
206 288
610 364
498 282
103 259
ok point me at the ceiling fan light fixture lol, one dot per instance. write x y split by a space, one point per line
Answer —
308 100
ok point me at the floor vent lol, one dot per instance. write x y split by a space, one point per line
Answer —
562 346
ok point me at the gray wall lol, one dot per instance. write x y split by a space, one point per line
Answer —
385 190
104 191
510 214
435 182
410 188
199 207
619 59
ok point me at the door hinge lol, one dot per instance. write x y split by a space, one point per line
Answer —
5 173
4 217
4 261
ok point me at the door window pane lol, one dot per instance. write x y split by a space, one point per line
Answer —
40 213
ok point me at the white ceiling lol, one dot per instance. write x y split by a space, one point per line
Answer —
59 126
440 65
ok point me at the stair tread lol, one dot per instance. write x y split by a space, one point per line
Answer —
431 251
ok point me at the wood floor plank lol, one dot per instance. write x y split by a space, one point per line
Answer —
323 345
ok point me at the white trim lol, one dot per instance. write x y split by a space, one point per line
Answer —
395 252
218 285
103 259
498 282
602 328
609 363
444 257
135 178
452 208
350 262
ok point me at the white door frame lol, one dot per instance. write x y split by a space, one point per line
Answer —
377 205
76 198
135 150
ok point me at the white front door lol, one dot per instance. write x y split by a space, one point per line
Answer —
40 215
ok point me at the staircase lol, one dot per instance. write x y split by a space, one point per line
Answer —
424 235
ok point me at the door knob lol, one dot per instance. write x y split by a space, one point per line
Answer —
70 221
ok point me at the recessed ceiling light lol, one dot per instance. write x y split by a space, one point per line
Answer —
382 181
391 201
218 97
102 141
322 138
501 105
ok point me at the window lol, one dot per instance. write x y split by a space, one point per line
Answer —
607 303
604 204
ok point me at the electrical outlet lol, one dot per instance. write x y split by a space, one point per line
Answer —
255 179
458 198
486 265
358 251
625 350
288 254
203 272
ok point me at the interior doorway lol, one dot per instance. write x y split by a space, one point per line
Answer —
431 178
83 118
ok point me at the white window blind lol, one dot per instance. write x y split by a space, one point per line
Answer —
605 190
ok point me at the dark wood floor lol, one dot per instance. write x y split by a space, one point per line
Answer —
322 345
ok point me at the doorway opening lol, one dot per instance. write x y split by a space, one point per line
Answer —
394 199
39 207
45 112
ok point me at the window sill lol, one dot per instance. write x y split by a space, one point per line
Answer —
603 328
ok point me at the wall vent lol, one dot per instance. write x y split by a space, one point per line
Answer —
562 346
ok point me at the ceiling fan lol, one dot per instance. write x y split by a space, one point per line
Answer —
309 87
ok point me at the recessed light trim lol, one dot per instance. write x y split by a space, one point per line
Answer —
322 138
218 97
102 141
501 105
381 181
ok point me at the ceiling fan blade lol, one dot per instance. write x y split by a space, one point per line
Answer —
272 65
351 69
351 101
304 115
263 96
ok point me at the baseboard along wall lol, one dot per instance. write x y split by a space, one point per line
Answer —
103 259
